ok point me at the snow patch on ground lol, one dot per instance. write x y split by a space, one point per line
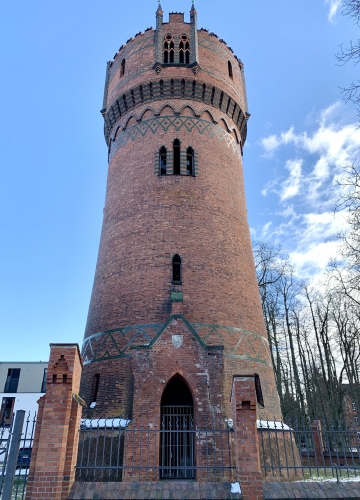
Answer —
104 423
272 424
235 488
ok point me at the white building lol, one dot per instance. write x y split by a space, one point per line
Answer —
21 385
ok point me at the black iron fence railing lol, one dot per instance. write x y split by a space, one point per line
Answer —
16 443
116 450
308 450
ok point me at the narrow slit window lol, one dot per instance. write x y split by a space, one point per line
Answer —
169 48
176 147
95 388
203 92
221 99
122 68
141 93
230 69
176 268
190 161
212 95
193 89
161 87
162 158
184 50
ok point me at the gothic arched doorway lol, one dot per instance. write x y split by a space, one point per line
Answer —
177 438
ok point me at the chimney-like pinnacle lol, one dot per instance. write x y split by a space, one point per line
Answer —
159 9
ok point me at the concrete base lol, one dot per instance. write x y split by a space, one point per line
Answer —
176 490
312 490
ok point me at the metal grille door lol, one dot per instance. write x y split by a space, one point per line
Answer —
177 442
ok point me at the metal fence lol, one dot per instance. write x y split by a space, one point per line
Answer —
16 442
117 450
308 450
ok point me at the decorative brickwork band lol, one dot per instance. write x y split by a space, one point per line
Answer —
247 457
117 343
193 90
153 125
52 468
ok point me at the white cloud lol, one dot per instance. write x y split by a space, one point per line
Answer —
270 144
334 145
334 6
303 222
265 229
310 239
291 186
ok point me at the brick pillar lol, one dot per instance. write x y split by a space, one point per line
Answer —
244 402
52 468
318 442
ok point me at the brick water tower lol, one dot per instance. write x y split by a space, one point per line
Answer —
175 309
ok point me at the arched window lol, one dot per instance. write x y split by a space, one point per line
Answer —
176 149
162 160
169 49
177 438
184 50
190 161
122 68
176 269
230 69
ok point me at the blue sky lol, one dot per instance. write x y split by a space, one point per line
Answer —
53 156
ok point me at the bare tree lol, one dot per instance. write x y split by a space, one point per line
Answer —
346 273
351 8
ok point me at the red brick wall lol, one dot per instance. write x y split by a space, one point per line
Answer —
52 469
244 403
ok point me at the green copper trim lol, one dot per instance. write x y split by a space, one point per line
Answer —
167 324
177 296
116 343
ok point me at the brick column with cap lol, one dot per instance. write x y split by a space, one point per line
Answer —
244 402
52 468
316 431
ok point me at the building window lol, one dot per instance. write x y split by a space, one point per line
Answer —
356 420
12 380
122 68
176 268
354 406
169 49
6 411
230 69
95 390
162 160
190 161
184 50
43 385
176 148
